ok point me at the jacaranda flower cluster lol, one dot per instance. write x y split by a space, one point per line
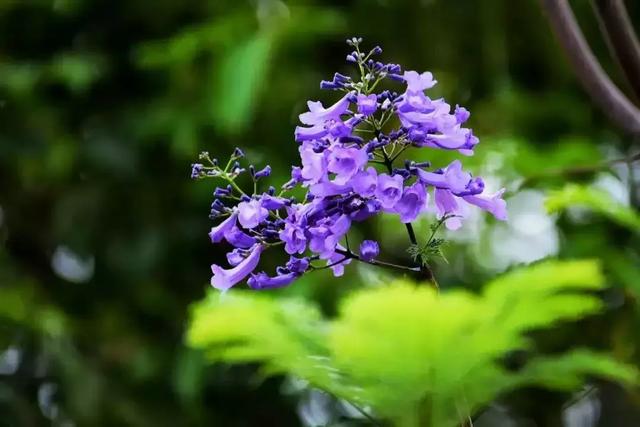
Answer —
348 155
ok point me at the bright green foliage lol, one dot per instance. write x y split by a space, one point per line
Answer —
414 356
597 200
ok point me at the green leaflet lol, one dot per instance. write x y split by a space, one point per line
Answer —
596 200
414 356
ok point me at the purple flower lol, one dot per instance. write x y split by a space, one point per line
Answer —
446 204
457 180
217 233
419 82
346 162
196 170
263 281
273 203
251 214
310 133
236 256
493 204
367 104
329 188
294 238
298 265
412 203
239 238
317 114
389 190
224 279
341 184
370 208
263 173
326 234
314 165
365 182
337 262
453 178
462 114
369 250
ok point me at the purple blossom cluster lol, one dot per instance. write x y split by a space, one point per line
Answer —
348 165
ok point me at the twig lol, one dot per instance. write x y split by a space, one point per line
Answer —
578 170
351 255
425 268
602 90
616 26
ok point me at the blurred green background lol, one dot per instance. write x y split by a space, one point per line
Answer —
104 105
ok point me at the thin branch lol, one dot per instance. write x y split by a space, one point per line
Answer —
575 171
351 255
602 90
425 268
622 40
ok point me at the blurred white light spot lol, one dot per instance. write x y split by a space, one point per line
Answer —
71 266
314 409
583 413
350 411
46 393
618 190
294 385
495 416
529 234
9 361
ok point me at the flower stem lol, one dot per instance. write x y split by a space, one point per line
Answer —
351 255
425 268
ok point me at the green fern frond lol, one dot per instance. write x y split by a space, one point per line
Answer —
411 354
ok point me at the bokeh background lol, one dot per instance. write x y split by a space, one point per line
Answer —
104 105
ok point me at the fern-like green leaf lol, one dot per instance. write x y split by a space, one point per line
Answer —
414 356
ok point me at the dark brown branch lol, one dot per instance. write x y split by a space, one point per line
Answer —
604 93
622 40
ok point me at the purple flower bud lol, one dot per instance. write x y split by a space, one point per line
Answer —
394 69
402 172
221 192
327 85
218 205
263 281
238 153
341 78
367 104
369 250
352 58
196 170
298 265
376 50
263 173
